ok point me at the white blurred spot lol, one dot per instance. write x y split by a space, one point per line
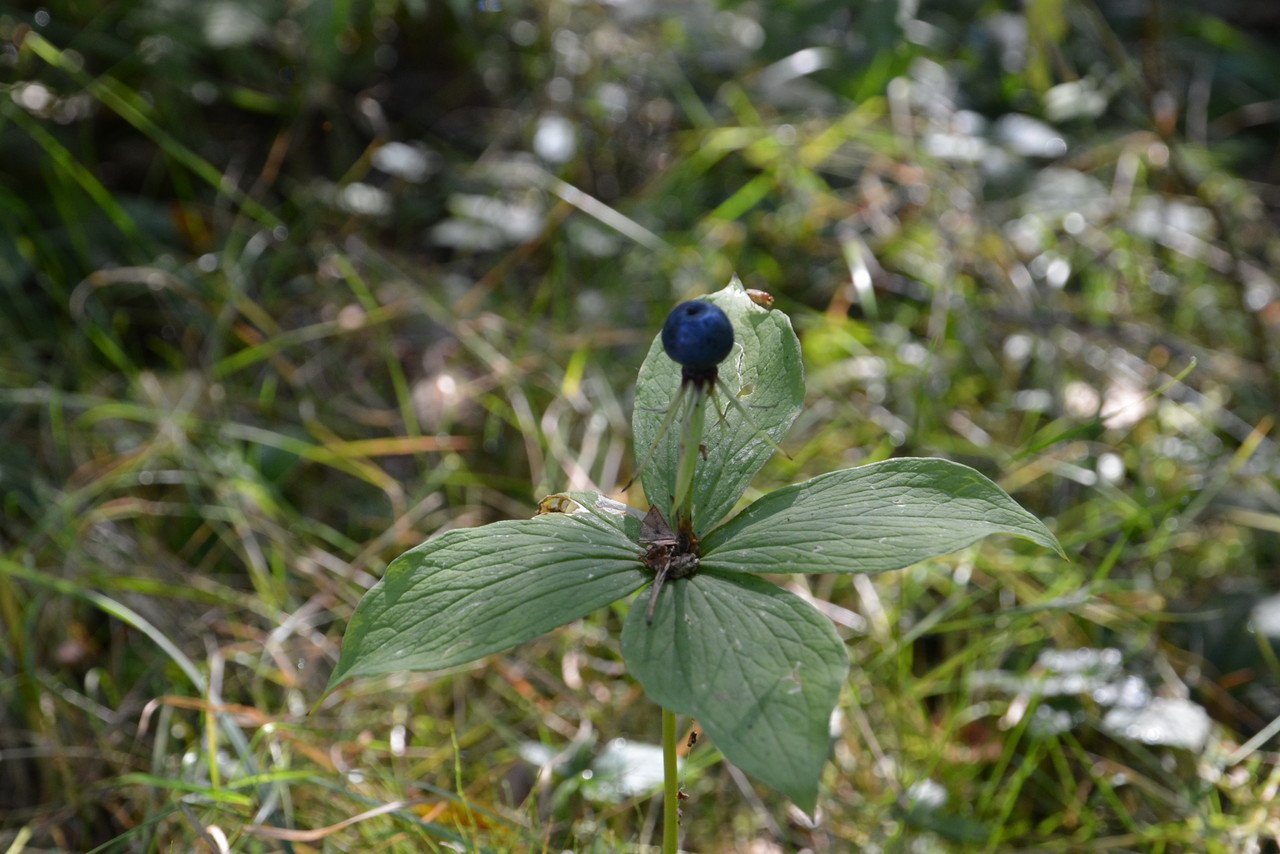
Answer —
1030 137
1110 468
955 147
799 64
524 33
1033 400
228 25
1162 283
559 89
1158 154
747 32
867 368
555 140
411 162
351 317
364 199
913 353
592 240
34 97
517 221
1026 233
437 399
1057 192
1161 219
614 99
1124 405
1074 99
536 754
927 794
1259 292
1057 272
1164 721
1009 31
968 122
465 234
623 770
1047 721
805 61
1129 692
1265 617
1017 348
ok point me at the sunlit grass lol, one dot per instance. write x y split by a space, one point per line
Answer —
227 401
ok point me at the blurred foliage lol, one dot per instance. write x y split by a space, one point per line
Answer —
287 287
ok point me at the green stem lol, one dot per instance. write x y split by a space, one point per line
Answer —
670 786
690 441
682 520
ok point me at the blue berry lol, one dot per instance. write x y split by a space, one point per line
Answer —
697 335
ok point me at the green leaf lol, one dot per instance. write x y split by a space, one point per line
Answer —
763 371
758 667
869 519
612 513
471 593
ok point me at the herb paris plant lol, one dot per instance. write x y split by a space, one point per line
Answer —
757 666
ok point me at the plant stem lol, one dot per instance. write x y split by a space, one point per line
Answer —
682 520
670 786
690 441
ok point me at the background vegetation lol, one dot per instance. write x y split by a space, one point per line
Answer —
287 287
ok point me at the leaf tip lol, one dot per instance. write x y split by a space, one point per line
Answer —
1040 534
336 678
806 801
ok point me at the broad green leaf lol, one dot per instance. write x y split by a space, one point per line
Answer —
869 519
612 513
471 593
758 667
766 375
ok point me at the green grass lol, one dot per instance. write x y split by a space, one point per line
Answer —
230 394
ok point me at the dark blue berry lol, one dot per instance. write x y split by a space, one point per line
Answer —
697 335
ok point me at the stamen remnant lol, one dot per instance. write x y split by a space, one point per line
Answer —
669 554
